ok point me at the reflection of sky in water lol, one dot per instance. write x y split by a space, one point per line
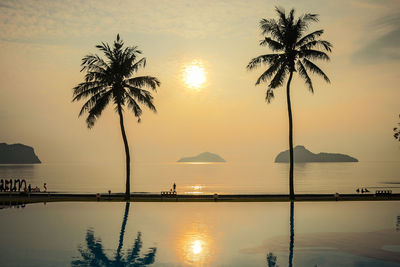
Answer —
205 234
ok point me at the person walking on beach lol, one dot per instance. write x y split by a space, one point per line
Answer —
45 187
174 186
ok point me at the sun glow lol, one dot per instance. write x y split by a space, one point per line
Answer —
197 247
194 75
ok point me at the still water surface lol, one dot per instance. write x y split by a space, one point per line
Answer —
245 178
201 234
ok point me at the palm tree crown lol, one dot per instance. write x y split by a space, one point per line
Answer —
111 79
296 50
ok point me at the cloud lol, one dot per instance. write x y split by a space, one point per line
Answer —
41 20
386 42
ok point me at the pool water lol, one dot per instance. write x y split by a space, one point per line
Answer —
201 234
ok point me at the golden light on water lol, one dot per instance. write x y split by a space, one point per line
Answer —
195 247
194 75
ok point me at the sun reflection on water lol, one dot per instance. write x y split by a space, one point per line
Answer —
195 246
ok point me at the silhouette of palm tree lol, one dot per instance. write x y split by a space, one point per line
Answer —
271 258
93 254
296 50
112 79
397 132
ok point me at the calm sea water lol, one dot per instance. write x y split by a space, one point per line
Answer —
210 178
201 234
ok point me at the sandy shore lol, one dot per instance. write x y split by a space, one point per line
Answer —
16 197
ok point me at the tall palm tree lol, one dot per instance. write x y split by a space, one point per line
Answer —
112 79
295 49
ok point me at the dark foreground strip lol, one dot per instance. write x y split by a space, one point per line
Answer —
20 198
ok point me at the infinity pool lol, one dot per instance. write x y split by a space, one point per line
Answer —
201 234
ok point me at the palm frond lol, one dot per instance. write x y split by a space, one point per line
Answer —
269 72
309 37
144 81
93 62
269 95
97 108
270 26
274 45
143 96
134 107
303 73
313 54
265 59
139 64
84 86
315 69
282 15
83 93
327 46
97 76
279 77
105 48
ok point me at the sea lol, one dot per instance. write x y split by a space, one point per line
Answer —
209 178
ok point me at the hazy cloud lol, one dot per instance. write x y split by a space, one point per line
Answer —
386 46
56 20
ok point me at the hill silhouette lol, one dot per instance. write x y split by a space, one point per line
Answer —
203 157
302 154
17 154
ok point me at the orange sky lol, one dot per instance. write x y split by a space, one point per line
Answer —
42 43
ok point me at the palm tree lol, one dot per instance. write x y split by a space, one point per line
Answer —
111 79
397 132
295 51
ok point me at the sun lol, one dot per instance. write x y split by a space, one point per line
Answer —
194 75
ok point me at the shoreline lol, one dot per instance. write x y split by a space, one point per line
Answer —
23 198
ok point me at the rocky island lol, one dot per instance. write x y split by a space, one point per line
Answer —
17 154
203 157
302 154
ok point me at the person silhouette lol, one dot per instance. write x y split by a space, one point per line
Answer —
358 190
174 186
45 187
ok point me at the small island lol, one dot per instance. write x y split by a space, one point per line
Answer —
203 157
302 154
17 154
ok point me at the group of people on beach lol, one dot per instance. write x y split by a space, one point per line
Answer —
15 185
362 190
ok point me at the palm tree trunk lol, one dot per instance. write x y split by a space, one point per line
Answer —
128 159
291 186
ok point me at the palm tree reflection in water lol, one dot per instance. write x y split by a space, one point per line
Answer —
271 258
93 254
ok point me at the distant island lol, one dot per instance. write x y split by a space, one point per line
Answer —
17 154
203 157
302 154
